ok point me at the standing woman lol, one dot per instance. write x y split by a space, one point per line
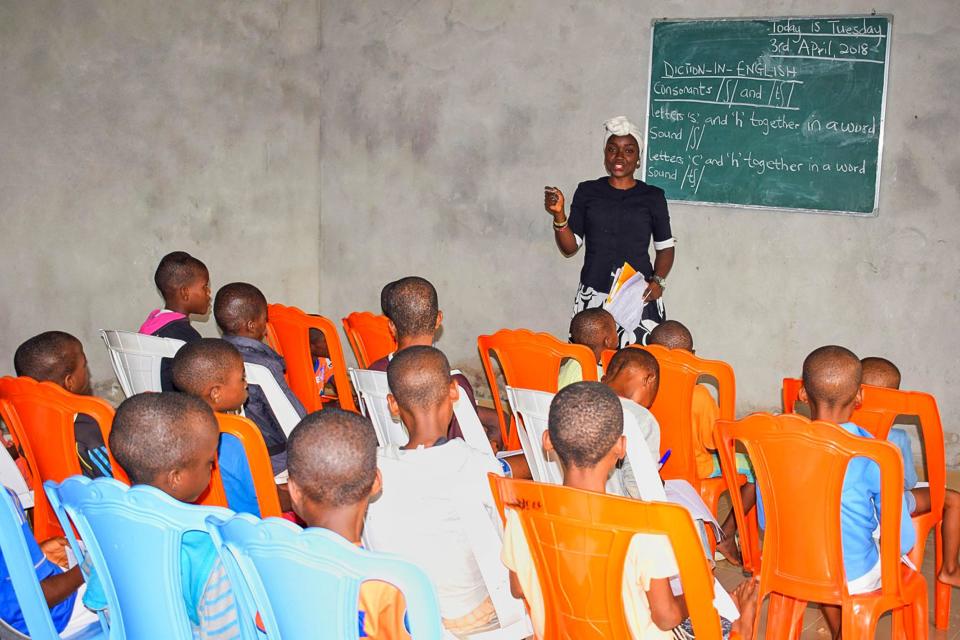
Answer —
616 216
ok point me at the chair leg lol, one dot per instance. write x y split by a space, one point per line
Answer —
941 591
784 617
859 624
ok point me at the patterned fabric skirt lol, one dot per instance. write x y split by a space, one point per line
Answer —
685 630
653 314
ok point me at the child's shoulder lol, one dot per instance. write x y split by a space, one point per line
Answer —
179 329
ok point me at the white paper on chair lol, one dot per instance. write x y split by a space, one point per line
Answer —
627 305
682 493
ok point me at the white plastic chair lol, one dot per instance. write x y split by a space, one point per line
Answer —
532 409
279 403
484 534
11 478
372 389
136 358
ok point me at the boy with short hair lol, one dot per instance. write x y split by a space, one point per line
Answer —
425 484
594 328
332 458
880 372
184 283
169 441
211 369
831 388
585 429
704 415
240 310
58 357
412 309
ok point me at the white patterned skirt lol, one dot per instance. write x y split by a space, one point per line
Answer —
653 314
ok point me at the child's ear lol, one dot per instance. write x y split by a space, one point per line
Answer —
70 383
214 394
184 293
620 448
802 395
377 484
393 406
439 320
295 493
858 400
611 342
454 391
547 442
393 329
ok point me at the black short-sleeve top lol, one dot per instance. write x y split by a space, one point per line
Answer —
616 225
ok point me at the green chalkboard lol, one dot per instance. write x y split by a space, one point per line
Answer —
784 113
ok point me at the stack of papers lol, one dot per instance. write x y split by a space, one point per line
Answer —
626 300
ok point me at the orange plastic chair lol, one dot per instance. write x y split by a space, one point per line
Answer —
528 360
680 372
291 326
574 533
257 458
877 414
369 337
40 416
802 557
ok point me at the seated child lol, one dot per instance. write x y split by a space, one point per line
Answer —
425 484
59 587
831 388
412 308
594 328
241 313
704 414
57 357
332 457
212 370
322 364
184 283
585 429
634 375
169 441
880 372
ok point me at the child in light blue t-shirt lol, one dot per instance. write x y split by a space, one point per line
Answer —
169 441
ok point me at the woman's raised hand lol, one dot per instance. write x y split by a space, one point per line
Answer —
553 202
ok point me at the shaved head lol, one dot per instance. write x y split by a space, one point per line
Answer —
203 363
48 357
633 358
177 269
672 335
419 377
880 372
332 457
831 376
585 421
592 327
411 304
237 304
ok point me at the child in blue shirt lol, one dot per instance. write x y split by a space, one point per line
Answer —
831 388
169 441
212 369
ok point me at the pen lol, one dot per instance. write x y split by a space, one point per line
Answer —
664 459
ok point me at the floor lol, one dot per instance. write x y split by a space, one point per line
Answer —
814 626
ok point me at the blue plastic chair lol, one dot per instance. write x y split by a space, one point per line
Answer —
305 582
25 584
133 538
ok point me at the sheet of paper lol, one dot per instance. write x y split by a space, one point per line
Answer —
627 305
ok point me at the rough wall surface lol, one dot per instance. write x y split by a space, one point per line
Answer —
134 128
443 120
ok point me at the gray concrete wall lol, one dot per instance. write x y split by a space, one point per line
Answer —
133 128
442 121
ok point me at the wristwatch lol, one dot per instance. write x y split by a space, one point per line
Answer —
660 281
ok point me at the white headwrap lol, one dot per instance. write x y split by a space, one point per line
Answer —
620 126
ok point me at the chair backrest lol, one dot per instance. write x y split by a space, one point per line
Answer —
372 390
292 329
305 583
470 426
802 553
136 358
531 409
41 417
573 533
369 337
680 372
528 360
790 393
23 575
280 405
257 459
133 539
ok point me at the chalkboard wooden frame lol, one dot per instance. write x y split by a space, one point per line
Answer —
883 108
